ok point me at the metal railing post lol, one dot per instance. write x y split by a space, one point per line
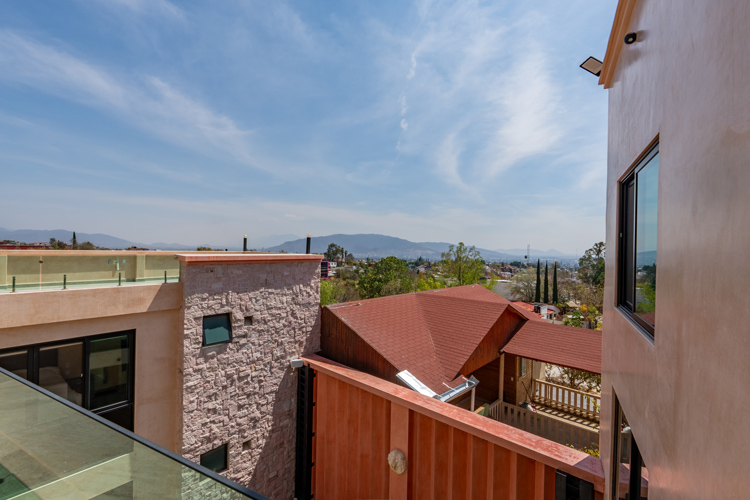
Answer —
65 281
165 276
119 279
14 283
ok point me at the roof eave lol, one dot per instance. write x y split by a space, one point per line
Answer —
616 39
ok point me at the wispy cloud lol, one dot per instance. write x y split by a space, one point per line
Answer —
146 102
158 8
528 116
465 67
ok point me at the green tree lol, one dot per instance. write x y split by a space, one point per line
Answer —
57 244
554 284
389 276
591 265
74 241
522 285
575 319
537 293
425 283
335 253
546 283
463 264
326 293
86 245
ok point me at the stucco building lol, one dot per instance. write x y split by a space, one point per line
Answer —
190 351
675 364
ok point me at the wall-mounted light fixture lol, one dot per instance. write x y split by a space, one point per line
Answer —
593 66
630 38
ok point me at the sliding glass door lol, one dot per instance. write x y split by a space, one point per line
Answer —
94 372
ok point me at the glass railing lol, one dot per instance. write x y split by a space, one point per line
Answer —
50 448
32 271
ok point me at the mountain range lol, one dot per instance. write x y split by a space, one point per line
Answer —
378 246
98 239
359 245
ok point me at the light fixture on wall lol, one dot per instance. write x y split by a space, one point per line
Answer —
593 66
630 38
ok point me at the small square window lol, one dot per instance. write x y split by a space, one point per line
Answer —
217 329
248 321
522 368
216 459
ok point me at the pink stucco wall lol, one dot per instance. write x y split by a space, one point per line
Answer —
685 395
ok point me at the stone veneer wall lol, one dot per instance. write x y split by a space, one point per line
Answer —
244 393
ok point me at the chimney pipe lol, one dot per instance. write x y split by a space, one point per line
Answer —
309 239
244 244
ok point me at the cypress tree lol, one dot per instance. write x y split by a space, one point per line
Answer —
554 284
546 283
537 296
74 241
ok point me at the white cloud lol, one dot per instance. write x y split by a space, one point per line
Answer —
145 102
404 124
413 68
528 114
160 8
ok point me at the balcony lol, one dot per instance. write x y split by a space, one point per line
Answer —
52 449
28 270
563 415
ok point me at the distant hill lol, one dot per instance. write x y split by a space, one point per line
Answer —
379 246
538 254
98 239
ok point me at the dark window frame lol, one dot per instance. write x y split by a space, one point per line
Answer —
627 244
218 448
636 459
32 369
203 329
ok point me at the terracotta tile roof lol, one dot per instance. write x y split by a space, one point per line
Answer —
431 334
568 346
526 310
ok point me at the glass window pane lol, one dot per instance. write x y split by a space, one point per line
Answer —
109 371
61 371
216 329
122 416
645 266
15 362
629 245
216 459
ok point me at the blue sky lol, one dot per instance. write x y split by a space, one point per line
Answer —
198 122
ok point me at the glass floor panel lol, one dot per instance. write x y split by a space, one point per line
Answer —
49 449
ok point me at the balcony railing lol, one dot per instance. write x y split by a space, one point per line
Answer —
26 270
544 426
574 402
50 448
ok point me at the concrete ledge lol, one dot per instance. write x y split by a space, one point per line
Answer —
54 306
245 258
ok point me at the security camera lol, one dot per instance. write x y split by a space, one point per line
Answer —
630 38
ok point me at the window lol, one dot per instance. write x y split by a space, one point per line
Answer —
637 245
216 459
93 372
522 367
217 329
629 473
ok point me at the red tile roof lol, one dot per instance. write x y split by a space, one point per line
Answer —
578 348
526 309
432 334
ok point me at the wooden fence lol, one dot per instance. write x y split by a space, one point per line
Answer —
544 426
374 439
582 404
